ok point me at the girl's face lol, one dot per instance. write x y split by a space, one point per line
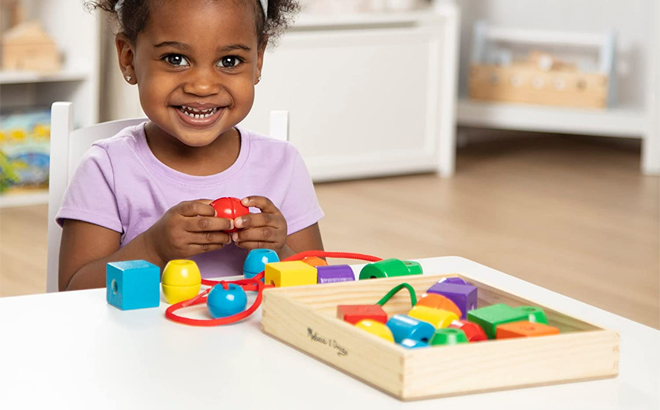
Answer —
196 64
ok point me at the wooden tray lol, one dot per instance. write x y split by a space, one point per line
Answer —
305 317
533 86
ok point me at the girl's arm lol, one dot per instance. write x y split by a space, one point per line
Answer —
304 240
87 248
187 229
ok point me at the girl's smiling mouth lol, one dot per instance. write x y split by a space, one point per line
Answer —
198 116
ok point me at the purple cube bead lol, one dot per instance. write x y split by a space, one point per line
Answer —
335 273
453 280
464 296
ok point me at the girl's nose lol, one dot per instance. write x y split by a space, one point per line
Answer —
202 83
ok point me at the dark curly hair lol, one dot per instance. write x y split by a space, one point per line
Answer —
135 15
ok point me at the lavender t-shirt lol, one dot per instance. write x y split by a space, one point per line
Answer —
122 186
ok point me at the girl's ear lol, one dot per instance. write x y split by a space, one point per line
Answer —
260 60
125 55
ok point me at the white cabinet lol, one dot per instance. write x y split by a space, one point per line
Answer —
367 94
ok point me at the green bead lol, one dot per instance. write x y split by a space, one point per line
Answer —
534 314
490 316
388 268
448 336
414 268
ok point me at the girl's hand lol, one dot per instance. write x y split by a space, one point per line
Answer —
264 230
188 229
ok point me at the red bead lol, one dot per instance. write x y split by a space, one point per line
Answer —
355 313
473 331
230 208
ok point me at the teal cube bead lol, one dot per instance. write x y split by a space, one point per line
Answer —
132 284
490 316
534 314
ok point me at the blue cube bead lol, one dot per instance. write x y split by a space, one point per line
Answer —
256 261
132 284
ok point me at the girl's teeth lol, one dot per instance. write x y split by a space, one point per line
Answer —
202 113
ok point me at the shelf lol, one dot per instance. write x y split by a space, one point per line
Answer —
626 122
32 77
39 197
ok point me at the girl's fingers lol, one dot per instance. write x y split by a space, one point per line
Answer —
265 234
257 245
261 202
195 208
262 219
207 224
213 238
196 249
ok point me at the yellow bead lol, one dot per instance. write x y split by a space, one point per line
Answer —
376 328
181 280
437 317
294 273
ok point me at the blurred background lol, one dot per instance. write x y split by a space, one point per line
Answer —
522 135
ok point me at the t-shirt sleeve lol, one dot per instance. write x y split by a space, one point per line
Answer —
300 206
90 195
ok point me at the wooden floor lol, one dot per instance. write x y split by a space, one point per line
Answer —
570 214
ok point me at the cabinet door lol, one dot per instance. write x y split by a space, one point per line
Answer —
362 102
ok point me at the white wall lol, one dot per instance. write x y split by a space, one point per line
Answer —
651 152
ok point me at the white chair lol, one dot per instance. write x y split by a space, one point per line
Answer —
67 147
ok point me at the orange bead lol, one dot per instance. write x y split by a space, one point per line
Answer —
524 329
436 301
315 261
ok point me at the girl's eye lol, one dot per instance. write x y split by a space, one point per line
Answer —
176 60
229 62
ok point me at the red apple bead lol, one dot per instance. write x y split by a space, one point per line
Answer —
230 208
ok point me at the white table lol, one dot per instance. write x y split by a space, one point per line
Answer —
74 350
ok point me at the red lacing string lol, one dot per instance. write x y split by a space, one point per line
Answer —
253 284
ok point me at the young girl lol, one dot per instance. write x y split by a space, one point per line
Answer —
145 193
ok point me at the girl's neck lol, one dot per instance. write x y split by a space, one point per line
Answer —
211 159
